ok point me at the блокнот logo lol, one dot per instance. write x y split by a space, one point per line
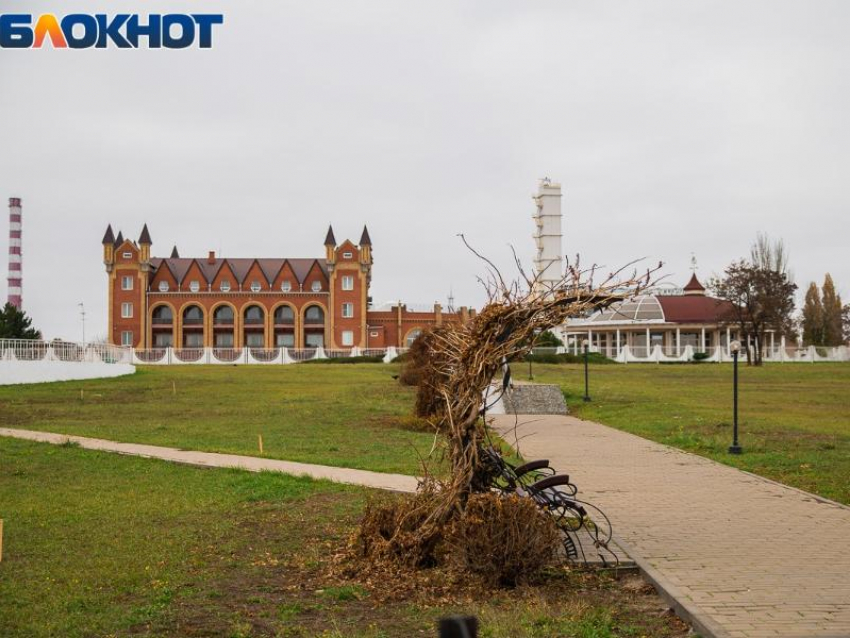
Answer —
99 31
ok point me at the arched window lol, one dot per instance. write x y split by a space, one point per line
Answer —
314 327
223 315
162 315
314 314
284 316
254 331
193 315
193 327
254 315
411 337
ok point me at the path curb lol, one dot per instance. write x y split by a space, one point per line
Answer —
673 596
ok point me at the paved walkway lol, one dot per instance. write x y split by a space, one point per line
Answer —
745 557
365 478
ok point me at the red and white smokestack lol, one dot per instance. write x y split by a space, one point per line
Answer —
15 276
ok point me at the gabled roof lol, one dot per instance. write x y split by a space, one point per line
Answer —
145 237
108 236
364 238
239 266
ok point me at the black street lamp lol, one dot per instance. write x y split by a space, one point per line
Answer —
586 374
735 348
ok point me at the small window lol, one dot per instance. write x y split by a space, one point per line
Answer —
163 286
255 286
126 283
348 282
127 255
126 310
286 286
224 286
195 286
347 310
316 287
347 337
127 338
373 334
347 255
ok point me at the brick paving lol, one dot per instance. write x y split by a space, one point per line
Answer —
743 556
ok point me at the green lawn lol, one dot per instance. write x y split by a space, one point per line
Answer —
794 418
345 415
100 544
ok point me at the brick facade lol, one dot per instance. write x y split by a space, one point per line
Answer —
263 303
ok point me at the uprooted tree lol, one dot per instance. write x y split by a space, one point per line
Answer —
461 361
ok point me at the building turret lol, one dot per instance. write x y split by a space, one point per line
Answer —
119 240
108 247
174 253
145 245
330 245
694 287
365 247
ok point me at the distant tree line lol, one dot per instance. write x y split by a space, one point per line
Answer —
825 321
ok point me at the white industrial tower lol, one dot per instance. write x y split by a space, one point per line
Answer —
15 278
549 263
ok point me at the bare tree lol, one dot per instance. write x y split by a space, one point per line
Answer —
761 293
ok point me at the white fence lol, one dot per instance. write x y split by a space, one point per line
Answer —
30 361
659 354
254 356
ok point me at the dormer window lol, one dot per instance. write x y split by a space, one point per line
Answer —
195 286
163 286
127 255
255 286
224 286
286 286
347 255
316 287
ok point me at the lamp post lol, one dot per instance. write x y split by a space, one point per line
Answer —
83 319
735 348
586 345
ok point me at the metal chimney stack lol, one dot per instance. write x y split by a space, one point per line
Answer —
15 278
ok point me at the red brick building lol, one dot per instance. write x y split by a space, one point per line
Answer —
181 302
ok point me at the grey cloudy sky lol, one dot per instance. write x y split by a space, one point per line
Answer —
675 127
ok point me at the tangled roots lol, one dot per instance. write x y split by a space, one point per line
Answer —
504 540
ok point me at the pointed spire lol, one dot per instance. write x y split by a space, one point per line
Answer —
108 237
120 239
145 237
330 240
364 238
174 253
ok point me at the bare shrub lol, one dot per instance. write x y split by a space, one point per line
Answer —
389 531
503 540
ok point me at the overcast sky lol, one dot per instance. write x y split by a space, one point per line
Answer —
674 127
